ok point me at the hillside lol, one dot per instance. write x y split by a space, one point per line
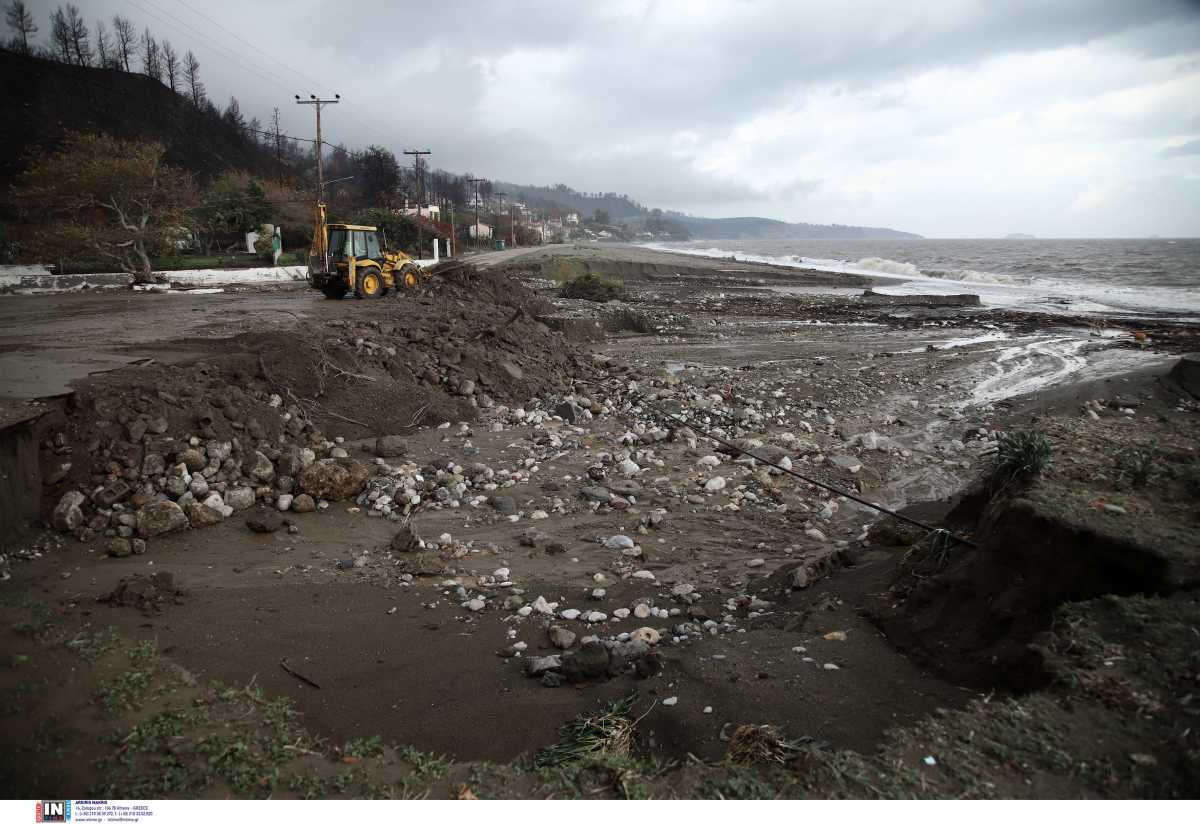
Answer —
46 99
40 100
761 228
622 207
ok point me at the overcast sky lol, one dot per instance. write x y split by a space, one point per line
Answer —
951 119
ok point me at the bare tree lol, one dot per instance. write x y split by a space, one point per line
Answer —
123 30
191 72
20 19
170 64
101 196
78 32
60 35
104 52
151 57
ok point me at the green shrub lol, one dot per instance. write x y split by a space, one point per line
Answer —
1022 454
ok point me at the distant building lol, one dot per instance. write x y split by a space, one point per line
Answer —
430 212
485 231
571 218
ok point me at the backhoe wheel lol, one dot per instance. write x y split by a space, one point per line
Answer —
369 283
409 275
334 291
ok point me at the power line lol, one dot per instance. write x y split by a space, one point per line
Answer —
256 47
223 51
308 80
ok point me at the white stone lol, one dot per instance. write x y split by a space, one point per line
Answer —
284 502
644 574
641 610
670 702
618 542
621 613
714 484
570 614
475 604
648 634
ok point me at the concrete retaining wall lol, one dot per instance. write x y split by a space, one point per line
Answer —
30 280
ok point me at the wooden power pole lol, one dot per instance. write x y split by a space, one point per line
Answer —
318 104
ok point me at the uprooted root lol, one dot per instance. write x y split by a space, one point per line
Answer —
760 744
608 732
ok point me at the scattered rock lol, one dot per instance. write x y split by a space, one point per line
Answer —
159 518
391 446
561 637
118 547
536 665
202 515
504 504
265 521
333 480
588 663
239 498
67 514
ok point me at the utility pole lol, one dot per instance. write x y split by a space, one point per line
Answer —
512 225
500 208
476 181
318 104
419 180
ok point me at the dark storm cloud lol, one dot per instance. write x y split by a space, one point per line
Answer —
803 110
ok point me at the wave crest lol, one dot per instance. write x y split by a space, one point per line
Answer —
891 267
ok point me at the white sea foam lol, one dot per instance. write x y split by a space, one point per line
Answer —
888 267
1039 294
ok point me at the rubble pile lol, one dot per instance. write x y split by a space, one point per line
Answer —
167 447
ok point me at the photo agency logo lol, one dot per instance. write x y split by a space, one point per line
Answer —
54 811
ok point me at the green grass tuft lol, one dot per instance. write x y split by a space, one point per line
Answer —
1022 454
606 732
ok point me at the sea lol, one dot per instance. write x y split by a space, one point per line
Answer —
1115 278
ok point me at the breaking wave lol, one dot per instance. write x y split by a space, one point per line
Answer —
890 267
972 276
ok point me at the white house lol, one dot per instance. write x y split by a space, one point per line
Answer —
572 218
430 212
485 231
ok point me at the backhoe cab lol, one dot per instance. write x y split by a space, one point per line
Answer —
348 258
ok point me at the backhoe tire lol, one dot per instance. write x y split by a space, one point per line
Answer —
368 284
408 276
334 291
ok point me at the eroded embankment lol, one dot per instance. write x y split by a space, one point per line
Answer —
1115 514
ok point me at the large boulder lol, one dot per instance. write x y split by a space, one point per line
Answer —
391 446
239 498
333 480
68 515
260 468
202 515
159 518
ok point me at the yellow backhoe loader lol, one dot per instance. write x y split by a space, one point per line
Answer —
347 258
